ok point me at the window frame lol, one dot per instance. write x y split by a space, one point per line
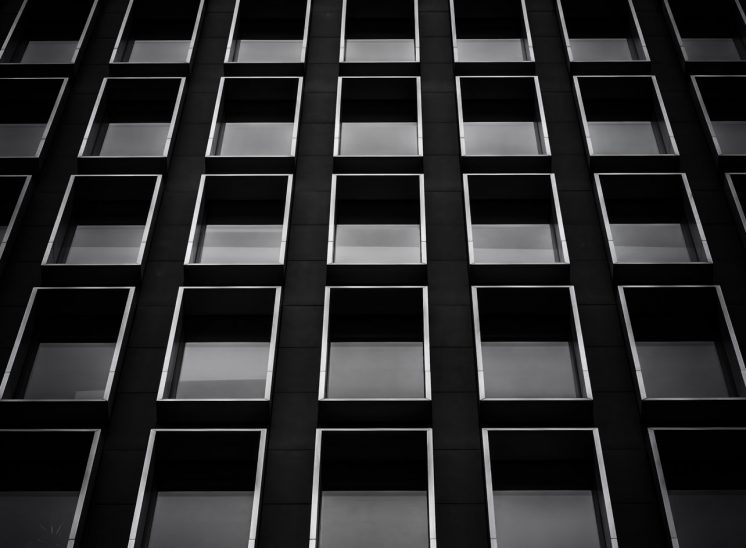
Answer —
736 204
7 239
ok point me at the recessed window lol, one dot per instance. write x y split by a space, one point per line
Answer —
372 489
161 31
377 344
268 32
378 117
200 488
70 344
529 343
104 220
737 191
377 219
651 219
547 488
501 116
385 31
133 117
45 485
48 32
682 342
490 32
712 33
13 191
514 219
720 98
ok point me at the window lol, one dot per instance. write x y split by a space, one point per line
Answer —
372 489
69 345
702 484
547 488
514 219
385 31
200 488
161 31
377 219
48 32
44 489
377 344
724 113
714 33
268 32
682 343
529 343
651 218
13 192
601 33
737 194
378 117
490 32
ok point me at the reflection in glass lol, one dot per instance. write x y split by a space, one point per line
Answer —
502 138
601 49
20 139
494 50
268 51
159 51
379 139
134 139
652 242
394 244
514 243
105 244
706 518
49 51
379 51
731 136
626 138
240 244
40 519
711 49
255 139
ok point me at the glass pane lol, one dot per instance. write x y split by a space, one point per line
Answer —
374 519
514 243
731 136
495 50
105 244
20 139
625 138
709 518
711 49
376 370
223 370
3 230
137 139
379 139
255 139
651 242
601 49
377 244
502 138
201 519
268 51
241 244
540 519
529 369
159 51
49 51
682 369
379 51
69 371
40 519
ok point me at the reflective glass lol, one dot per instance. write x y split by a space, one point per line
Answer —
135 139
105 244
38 519
379 51
711 49
514 243
731 136
625 138
3 230
709 518
241 244
268 51
49 51
601 49
495 50
379 139
502 138
20 139
651 242
377 244
255 139
159 51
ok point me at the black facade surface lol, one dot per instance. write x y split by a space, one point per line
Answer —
456 415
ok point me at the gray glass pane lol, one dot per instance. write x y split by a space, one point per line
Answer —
682 369
20 139
546 519
377 244
625 138
49 51
105 244
136 139
502 138
374 519
36 519
255 139
651 242
241 244
223 370
201 519
379 139
379 51
493 50
159 51
3 230
709 519
514 243
376 370
529 369
731 136
711 49
268 51
69 371
600 49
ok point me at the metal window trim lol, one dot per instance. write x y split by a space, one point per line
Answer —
14 216
705 116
